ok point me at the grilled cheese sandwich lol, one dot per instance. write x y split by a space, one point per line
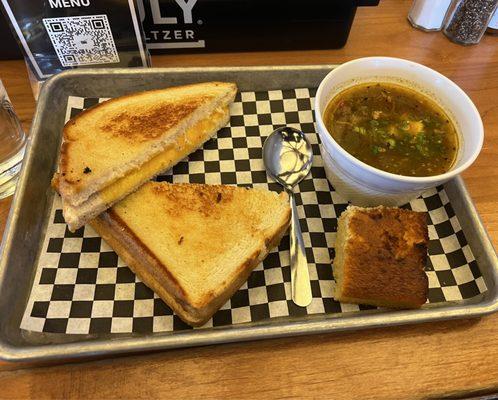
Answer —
195 244
107 154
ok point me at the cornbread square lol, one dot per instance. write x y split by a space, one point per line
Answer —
380 255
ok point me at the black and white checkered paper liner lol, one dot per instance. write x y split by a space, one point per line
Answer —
81 286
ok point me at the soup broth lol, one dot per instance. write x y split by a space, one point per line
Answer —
393 128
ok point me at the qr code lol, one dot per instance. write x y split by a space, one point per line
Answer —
82 40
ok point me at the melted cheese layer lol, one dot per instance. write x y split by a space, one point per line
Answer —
185 144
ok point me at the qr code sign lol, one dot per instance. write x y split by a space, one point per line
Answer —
82 40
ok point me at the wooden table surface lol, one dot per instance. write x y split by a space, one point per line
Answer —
457 358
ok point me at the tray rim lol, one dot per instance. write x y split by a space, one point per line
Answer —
323 323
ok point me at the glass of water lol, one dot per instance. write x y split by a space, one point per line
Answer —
12 144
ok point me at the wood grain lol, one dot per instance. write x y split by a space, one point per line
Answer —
431 360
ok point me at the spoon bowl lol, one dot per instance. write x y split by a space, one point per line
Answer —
288 156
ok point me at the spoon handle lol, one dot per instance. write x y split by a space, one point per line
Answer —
300 280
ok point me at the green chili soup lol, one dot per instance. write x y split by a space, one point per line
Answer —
393 128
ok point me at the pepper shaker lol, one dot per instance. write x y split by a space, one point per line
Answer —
467 20
428 15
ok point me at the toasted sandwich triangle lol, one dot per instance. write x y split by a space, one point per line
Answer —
195 245
111 149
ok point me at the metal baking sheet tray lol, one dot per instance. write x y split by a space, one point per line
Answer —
32 202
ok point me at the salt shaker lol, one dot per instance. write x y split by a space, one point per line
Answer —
428 15
493 24
467 20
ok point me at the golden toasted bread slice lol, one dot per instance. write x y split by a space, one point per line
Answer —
111 149
195 244
380 256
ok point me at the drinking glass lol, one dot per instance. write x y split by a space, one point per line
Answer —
12 145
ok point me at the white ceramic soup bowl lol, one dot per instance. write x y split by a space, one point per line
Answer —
364 185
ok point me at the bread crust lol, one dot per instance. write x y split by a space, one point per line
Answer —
161 280
382 260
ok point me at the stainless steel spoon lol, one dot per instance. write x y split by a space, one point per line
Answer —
287 155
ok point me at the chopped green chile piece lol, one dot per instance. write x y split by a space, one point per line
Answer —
393 128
